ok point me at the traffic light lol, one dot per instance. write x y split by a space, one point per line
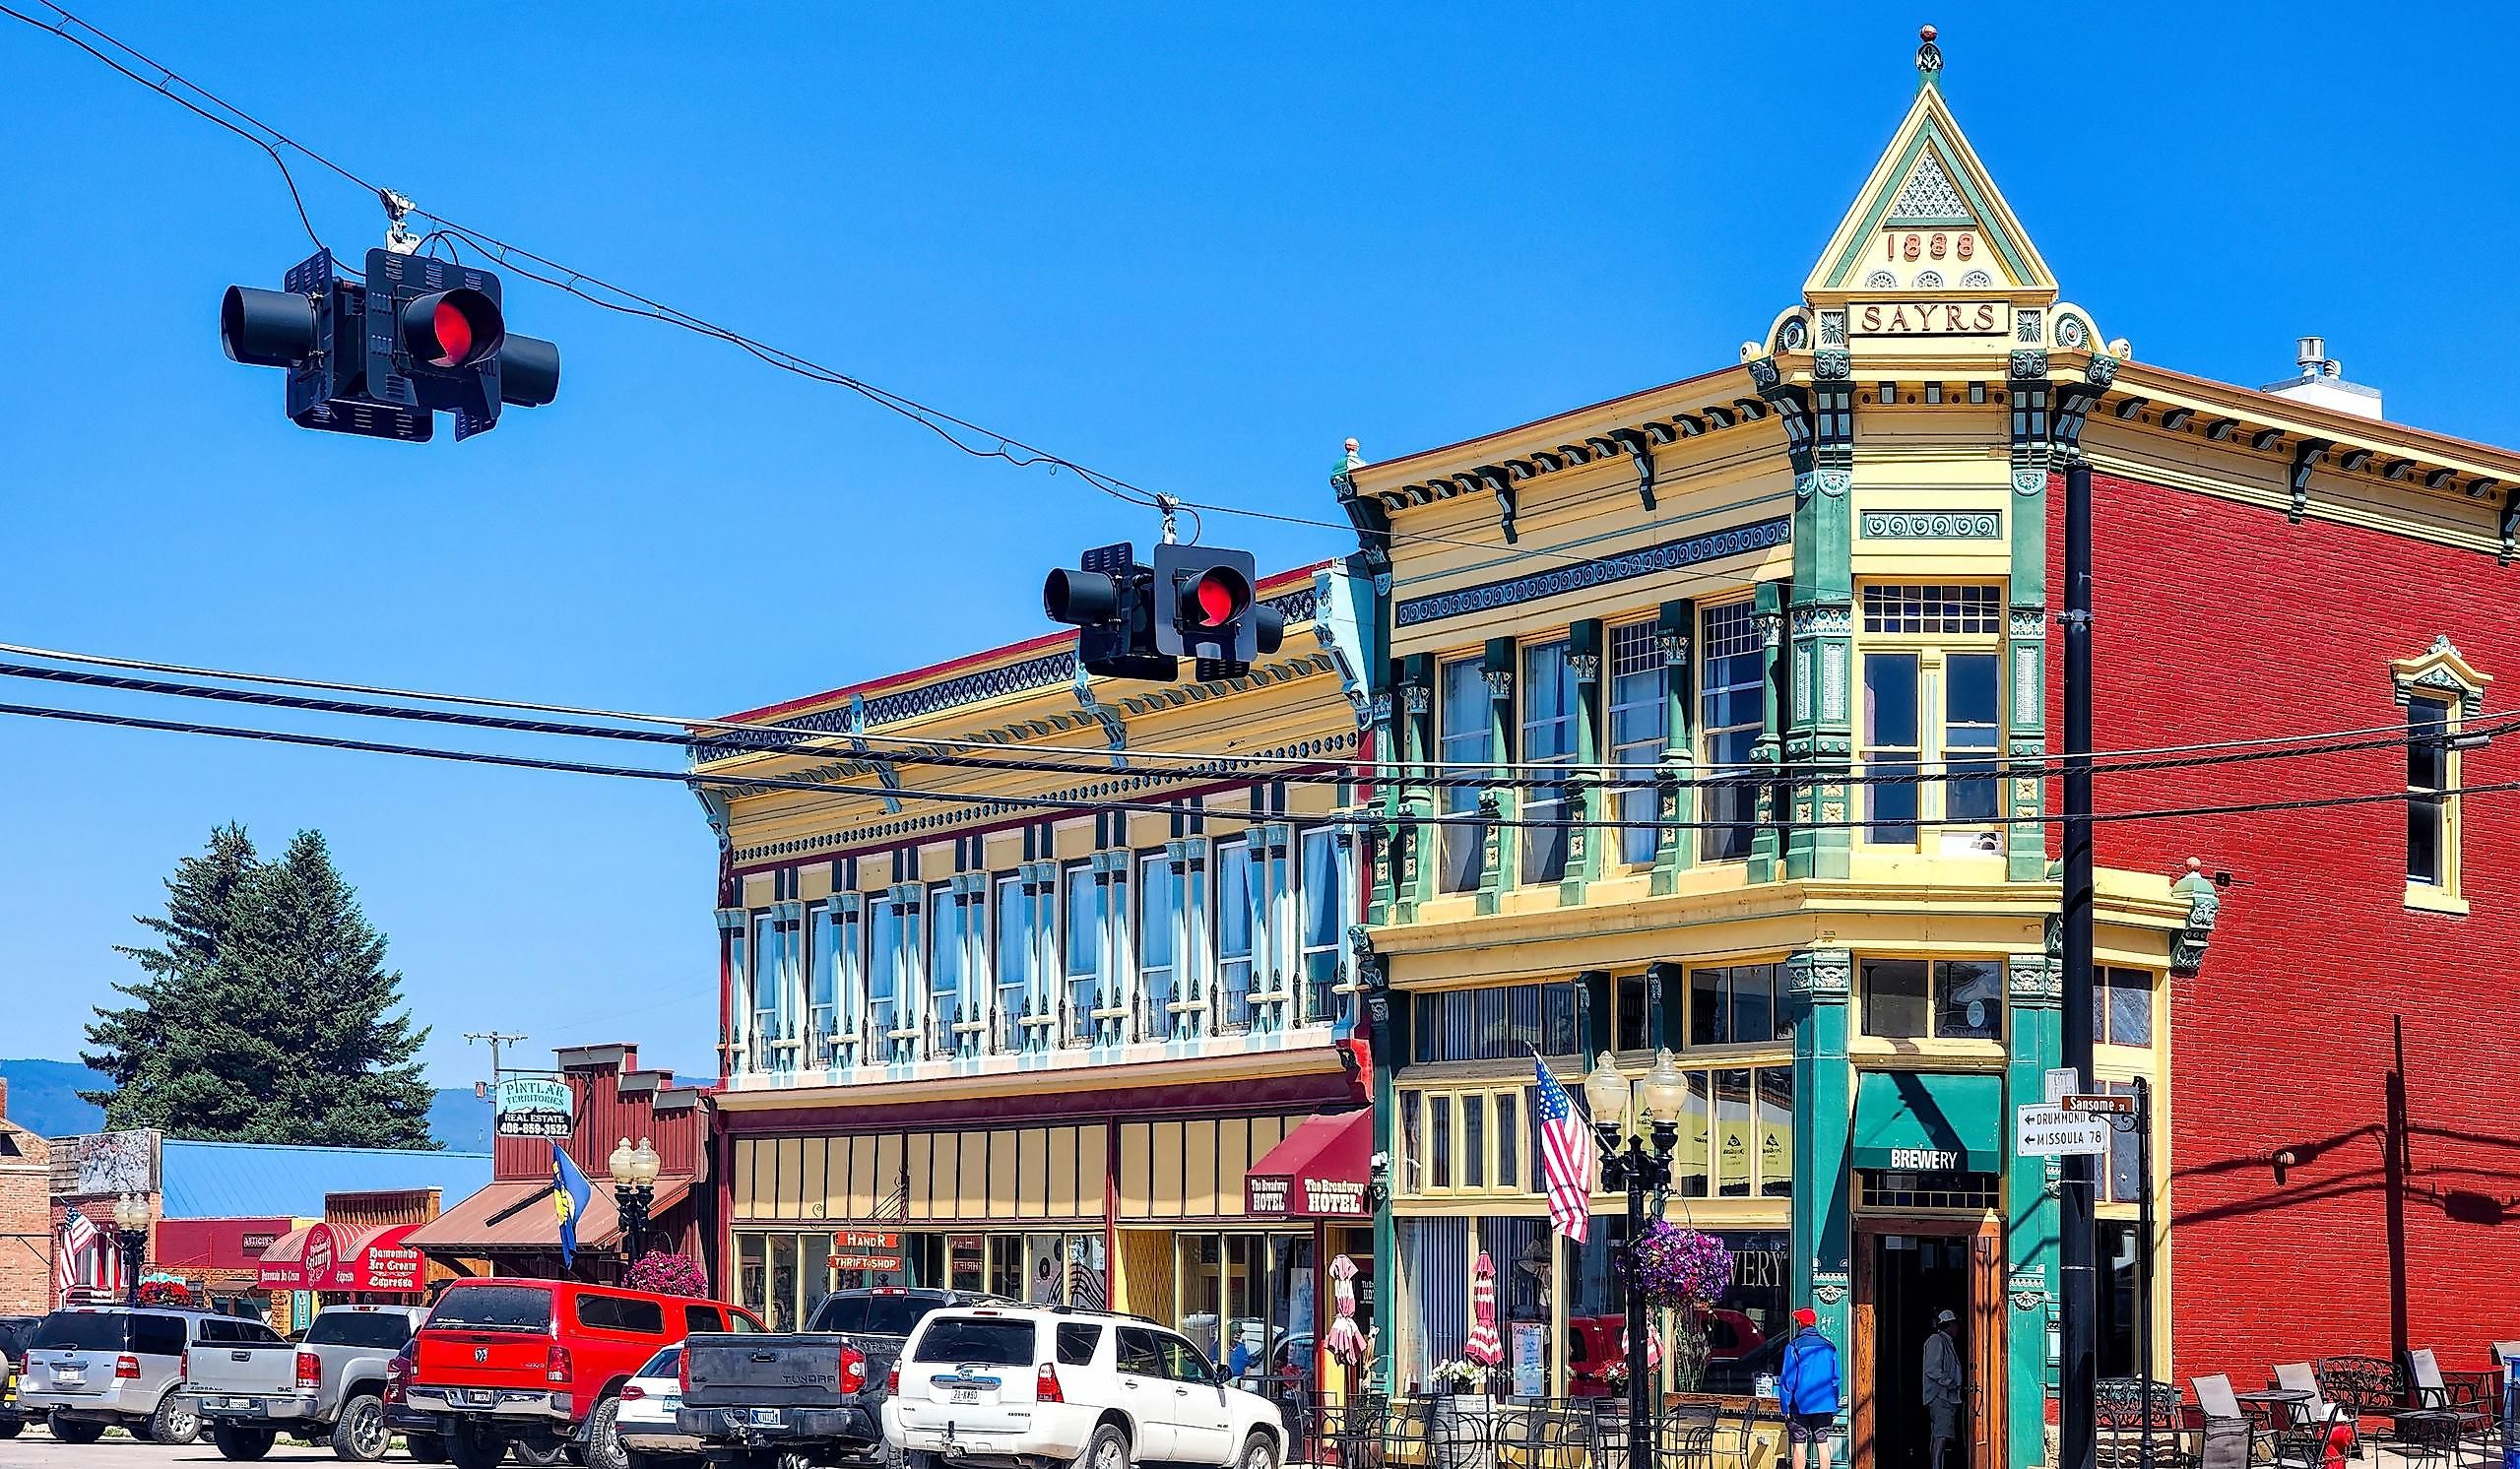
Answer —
1111 599
1138 621
1206 608
381 355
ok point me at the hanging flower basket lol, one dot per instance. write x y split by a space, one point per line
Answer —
670 1275
1679 1268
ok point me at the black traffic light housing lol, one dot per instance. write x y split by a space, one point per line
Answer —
1111 601
1207 607
381 355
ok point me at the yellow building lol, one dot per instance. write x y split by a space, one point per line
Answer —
1029 977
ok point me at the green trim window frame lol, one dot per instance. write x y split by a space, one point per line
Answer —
1158 924
1640 728
1550 703
1733 692
1463 740
1944 999
2431 807
1932 724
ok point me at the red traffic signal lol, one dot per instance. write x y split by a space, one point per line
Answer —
1212 598
453 328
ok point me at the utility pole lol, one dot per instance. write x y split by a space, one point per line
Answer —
497 1037
2078 1378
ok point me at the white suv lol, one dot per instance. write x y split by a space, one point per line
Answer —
1030 1386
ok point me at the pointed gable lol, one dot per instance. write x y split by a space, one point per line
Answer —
1930 219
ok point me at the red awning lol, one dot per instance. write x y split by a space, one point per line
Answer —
1317 1172
343 1257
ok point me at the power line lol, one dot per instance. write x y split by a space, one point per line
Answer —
930 749
1167 808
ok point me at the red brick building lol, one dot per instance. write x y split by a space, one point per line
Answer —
26 1232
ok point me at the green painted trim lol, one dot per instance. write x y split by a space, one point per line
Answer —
1930 134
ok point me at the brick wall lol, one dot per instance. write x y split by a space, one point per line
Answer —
26 1243
2215 621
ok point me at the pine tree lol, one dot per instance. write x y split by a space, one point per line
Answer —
135 1043
286 1027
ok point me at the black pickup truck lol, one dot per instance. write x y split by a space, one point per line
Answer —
767 1400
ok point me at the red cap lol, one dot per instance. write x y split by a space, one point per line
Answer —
1806 1316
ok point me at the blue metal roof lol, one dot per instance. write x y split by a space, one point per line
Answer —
250 1179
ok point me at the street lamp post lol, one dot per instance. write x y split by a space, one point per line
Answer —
1641 1171
131 1234
633 1191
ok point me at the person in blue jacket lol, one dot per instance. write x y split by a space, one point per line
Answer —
1810 1387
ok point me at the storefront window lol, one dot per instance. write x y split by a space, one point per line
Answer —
1775 1132
782 1315
751 1273
1524 1263
1435 1298
1739 1143
1745 1329
813 1268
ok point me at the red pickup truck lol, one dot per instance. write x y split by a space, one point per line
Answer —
537 1365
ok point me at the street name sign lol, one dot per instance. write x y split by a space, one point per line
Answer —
2053 1132
2105 1105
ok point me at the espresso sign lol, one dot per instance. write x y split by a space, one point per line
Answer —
1930 318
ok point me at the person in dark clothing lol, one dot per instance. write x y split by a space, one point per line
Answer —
1810 1387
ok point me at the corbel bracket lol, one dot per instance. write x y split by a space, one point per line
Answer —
2305 458
856 731
1114 732
1793 413
1372 521
1498 481
1640 451
887 775
2510 524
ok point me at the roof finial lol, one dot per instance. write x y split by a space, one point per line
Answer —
1929 59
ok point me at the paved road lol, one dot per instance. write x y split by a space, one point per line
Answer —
36 1449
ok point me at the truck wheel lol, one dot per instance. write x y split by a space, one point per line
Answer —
603 1436
237 1442
424 1448
362 1434
472 1446
176 1421
71 1430
1107 1449
1258 1453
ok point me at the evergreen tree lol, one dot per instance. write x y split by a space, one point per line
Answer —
135 1043
286 1027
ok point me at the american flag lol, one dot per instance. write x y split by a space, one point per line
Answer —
1566 1158
78 1239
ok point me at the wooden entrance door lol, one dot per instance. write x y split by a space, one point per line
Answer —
1981 1427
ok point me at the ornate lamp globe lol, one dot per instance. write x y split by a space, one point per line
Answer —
623 1162
644 1164
1666 1090
1606 1091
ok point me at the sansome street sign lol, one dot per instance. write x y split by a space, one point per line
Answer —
2053 1132
2113 1106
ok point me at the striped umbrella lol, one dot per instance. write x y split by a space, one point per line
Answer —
1483 1346
1346 1343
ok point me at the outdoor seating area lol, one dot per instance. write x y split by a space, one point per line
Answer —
2314 1413
1481 1433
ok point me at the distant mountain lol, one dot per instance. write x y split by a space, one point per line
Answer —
44 1098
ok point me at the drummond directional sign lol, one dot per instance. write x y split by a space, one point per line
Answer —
2053 1132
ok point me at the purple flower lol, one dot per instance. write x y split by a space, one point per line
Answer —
1673 1266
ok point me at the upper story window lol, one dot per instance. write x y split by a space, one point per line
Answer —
1636 1012
1945 1000
2431 809
1326 882
1462 741
2122 1007
884 978
1239 916
822 984
771 974
949 922
1159 908
1732 690
1732 1004
1498 1022
1639 729
1550 701
1933 706
1082 914
1013 953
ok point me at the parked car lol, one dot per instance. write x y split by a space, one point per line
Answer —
13 1331
1047 1386
328 1387
816 1392
90 1368
649 1437
534 1364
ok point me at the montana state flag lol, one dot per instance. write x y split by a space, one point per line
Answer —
569 1194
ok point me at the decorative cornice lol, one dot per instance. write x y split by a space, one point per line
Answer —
1820 974
1670 555
1930 525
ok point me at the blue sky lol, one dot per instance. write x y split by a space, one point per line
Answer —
1191 247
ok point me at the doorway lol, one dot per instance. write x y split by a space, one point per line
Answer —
1907 1273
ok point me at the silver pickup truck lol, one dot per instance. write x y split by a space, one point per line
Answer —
328 1387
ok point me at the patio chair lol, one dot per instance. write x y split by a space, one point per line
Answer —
2463 1400
2228 1443
2125 1404
2214 1398
2318 1412
1685 1437
2371 1388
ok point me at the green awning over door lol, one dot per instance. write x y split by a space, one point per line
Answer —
1929 1122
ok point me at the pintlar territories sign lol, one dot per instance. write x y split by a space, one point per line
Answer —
540 1107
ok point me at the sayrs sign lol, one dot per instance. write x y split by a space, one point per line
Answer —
1930 319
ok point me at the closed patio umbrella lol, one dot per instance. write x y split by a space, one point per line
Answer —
1483 1345
1346 1343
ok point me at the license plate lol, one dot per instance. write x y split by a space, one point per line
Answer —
69 1376
480 1397
239 1402
768 1418
966 1394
